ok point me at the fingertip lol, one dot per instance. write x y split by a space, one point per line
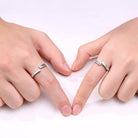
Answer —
76 109
64 70
67 69
61 67
75 66
66 110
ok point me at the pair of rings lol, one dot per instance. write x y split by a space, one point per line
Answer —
44 65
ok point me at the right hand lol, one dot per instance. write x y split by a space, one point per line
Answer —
119 50
19 58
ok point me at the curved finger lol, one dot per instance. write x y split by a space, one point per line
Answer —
128 88
24 83
10 95
50 52
47 80
111 82
89 82
89 50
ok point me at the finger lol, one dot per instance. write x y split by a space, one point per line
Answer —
27 87
112 81
89 82
50 52
10 95
1 102
89 50
48 81
128 88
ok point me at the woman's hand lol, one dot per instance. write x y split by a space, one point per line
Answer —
119 50
19 58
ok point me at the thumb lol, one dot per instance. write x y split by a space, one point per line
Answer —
89 50
50 52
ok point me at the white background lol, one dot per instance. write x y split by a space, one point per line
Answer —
70 23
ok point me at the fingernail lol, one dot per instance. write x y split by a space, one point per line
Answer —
66 110
67 67
76 109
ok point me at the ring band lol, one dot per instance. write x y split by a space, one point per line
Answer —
102 64
39 69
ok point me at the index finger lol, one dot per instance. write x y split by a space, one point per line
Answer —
91 79
48 81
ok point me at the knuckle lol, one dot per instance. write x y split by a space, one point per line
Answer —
110 49
127 61
81 99
50 81
26 54
7 65
23 51
89 80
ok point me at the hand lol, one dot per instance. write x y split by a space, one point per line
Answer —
19 58
119 50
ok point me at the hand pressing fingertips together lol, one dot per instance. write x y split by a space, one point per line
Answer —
20 50
118 49
22 70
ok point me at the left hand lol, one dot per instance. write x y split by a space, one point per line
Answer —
119 50
21 50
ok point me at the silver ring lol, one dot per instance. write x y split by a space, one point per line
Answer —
102 64
39 69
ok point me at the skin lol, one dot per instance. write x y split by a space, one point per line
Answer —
119 50
20 50
25 46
